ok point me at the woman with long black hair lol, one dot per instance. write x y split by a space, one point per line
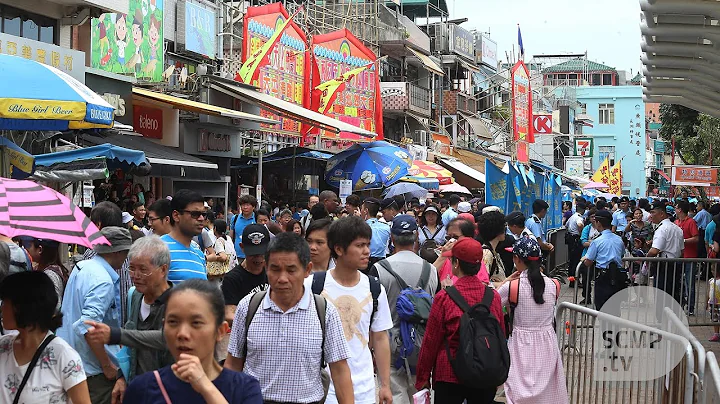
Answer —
536 371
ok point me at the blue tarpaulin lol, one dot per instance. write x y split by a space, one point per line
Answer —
116 156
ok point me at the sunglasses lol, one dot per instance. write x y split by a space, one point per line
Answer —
195 214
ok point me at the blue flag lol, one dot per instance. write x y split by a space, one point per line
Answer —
530 173
496 186
515 199
520 44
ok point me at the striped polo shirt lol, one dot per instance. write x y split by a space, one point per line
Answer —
185 263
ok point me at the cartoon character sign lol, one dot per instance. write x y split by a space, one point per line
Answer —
132 42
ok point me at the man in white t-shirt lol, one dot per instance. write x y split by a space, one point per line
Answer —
363 307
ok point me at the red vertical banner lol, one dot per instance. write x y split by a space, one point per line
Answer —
522 103
359 102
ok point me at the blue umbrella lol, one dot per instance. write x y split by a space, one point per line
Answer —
22 163
35 96
368 165
406 189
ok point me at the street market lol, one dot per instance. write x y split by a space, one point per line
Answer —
371 201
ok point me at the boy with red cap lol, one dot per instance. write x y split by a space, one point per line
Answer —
443 325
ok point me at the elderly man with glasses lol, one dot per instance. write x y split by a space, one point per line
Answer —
149 261
187 261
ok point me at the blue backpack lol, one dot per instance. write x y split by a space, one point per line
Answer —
413 310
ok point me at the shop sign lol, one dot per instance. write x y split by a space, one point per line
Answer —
712 192
462 42
199 30
130 43
117 92
66 60
488 52
148 121
522 104
584 147
659 147
284 77
211 141
691 175
574 166
359 102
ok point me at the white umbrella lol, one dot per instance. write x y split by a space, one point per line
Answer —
454 188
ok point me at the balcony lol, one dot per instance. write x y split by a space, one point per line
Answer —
401 97
454 101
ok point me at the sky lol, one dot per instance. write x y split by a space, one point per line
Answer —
609 30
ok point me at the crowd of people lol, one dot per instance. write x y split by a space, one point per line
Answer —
360 302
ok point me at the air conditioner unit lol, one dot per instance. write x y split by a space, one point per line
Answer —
420 137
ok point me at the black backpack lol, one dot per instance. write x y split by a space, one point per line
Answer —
482 359
318 284
427 249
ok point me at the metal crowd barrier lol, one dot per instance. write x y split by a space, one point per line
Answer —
575 327
559 257
711 382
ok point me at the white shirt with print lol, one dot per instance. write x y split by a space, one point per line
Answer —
355 307
58 370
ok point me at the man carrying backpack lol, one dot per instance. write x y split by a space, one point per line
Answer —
410 282
363 307
464 345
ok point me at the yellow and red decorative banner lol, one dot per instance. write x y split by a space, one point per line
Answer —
346 71
521 103
603 173
615 179
285 74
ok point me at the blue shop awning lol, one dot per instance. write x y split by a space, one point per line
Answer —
285 154
89 163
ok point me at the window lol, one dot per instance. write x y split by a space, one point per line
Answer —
583 108
596 79
607 79
606 114
607 152
27 25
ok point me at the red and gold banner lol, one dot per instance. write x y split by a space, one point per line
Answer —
339 57
285 74
522 103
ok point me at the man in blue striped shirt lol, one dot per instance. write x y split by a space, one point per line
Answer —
188 220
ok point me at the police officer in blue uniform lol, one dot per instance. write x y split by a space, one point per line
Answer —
606 254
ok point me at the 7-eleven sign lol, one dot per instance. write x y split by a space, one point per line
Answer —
584 147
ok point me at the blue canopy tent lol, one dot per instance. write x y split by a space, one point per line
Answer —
89 163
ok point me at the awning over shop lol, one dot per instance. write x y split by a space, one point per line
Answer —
285 154
285 108
427 62
200 107
89 163
464 175
477 126
470 66
166 162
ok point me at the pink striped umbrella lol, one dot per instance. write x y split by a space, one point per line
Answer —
30 209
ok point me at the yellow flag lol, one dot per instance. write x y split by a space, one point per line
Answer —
603 173
329 89
249 69
615 178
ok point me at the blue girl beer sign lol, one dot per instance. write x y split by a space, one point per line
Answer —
200 29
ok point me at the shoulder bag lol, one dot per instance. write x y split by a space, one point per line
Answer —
32 365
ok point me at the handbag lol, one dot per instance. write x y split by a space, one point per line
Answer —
162 387
32 365
219 268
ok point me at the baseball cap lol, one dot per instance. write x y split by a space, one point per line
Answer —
624 199
513 216
490 209
464 207
126 218
119 238
403 224
375 201
388 203
603 213
255 239
526 248
466 249
467 216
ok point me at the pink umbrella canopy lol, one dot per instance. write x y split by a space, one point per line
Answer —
595 185
30 209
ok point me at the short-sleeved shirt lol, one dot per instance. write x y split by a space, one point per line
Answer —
607 248
239 283
668 239
575 224
238 226
58 370
448 216
425 233
185 262
710 232
236 387
703 219
355 305
619 220
284 349
689 229
380 238
534 224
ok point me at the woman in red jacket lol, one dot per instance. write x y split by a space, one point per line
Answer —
443 325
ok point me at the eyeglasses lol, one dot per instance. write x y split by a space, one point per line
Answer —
144 273
195 214
152 219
